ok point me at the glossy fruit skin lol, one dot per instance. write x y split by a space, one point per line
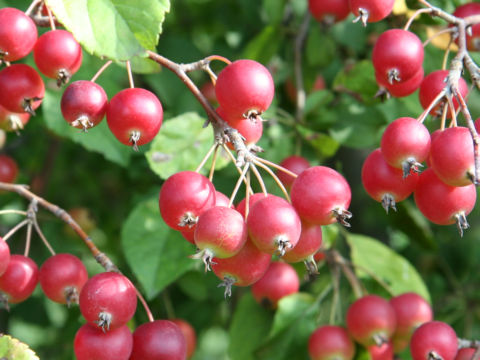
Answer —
434 336
399 50
272 220
221 230
250 129
19 279
452 156
377 9
159 340
411 311
331 342
404 139
241 206
295 164
465 354
8 169
244 86
440 202
379 179
432 85
55 51
11 121
221 199
182 193
336 9
279 280
4 256
111 293
246 267
92 343
463 11
18 34
368 317
134 110
402 88
189 333
84 101
308 244
20 82
317 192
382 352
62 273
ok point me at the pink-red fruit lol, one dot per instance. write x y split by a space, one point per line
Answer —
19 279
18 34
434 339
331 342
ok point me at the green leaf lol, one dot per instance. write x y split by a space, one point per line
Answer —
294 321
114 29
181 145
325 145
320 48
382 261
249 325
359 81
156 254
264 45
273 10
98 139
13 349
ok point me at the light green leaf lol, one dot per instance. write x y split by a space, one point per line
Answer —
98 139
291 309
181 145
249 326
156 254
392 268
13 349
358 81
114 29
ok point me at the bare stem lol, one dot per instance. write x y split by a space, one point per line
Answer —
237 185
101 70
276 166
29 239
412 18
145 306
259 179
15 229
130 74
42 236
275 178
12 211
214 162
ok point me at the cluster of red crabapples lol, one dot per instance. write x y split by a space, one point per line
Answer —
134 115
107 302
238 242
385 328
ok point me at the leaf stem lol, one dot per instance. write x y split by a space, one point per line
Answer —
101 70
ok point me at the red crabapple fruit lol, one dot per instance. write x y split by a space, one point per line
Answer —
11 121
4 256
411 311
108 300
295 164
371 10
62 277
279 280
309 243
329 10
405 144
244 88
371 320
58 55
92 343
434 339
84 104
160 339
243 269
273 225
189 333
331 342
473 34
134 116
8 169
443 204
18 34
384 183
19 280
220 232
184 196
321 196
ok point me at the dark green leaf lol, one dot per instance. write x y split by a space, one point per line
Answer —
13 349
264 45
157 254
273 10
393 269
181 145
249 326
358 81
320 48
322 143
98 139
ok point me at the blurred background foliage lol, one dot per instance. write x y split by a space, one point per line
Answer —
115 190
